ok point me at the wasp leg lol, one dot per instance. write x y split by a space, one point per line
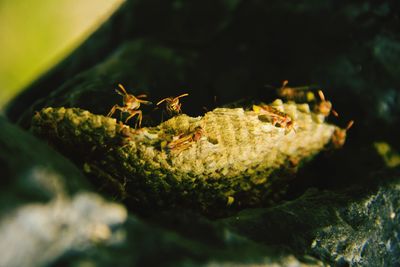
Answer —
113 109
139 120
133 113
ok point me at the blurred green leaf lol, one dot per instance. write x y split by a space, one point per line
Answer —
35 35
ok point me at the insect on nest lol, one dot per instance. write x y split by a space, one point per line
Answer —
173 106
305 93
324 107
339 135
131 105
184 141
273 115
297 94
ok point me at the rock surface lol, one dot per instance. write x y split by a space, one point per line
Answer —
46 210
353 227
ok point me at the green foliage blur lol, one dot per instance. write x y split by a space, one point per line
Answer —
36 34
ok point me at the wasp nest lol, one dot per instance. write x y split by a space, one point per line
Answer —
227 158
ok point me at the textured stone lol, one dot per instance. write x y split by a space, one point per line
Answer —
46 210
38 234
353 227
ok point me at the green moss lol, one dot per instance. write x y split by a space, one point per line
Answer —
228 158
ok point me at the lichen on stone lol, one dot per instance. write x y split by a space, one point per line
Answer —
228 158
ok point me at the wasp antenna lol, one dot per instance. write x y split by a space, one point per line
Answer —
145 102
182 95
119 92
284 83
159 102
349 125
334 112
321 95
141 96
122 88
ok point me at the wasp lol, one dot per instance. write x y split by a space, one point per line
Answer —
184 141
131 105
298 94
173 106
324 107
276 117
339 135
305 93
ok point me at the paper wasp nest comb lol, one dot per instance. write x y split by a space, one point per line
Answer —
227 158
